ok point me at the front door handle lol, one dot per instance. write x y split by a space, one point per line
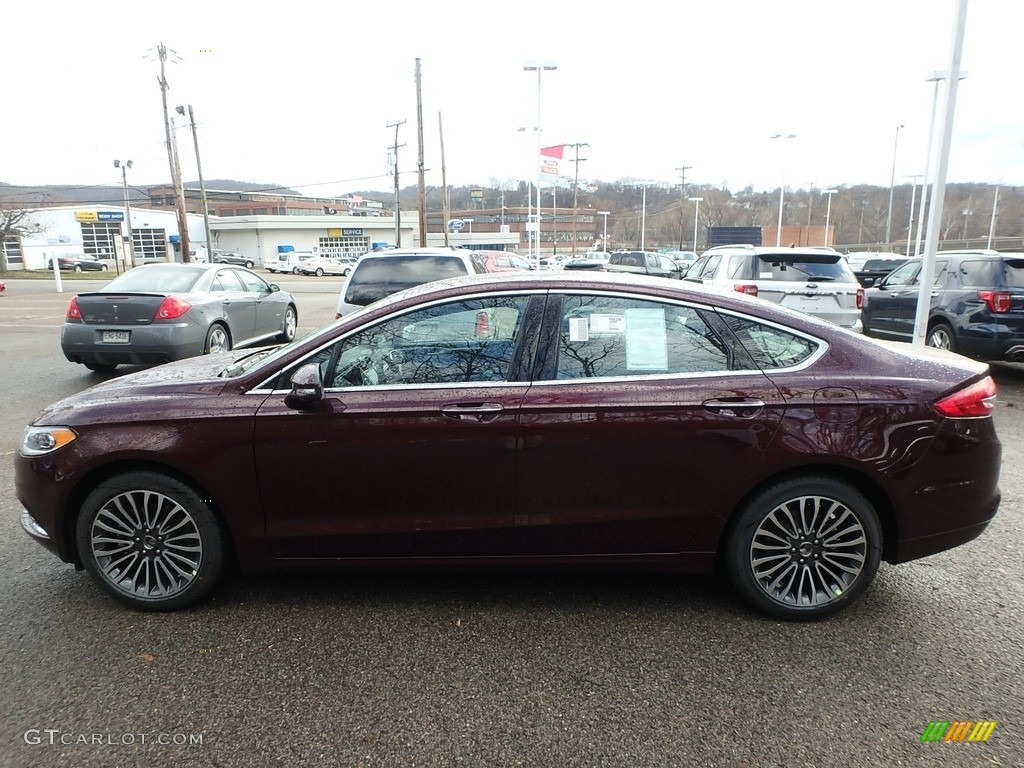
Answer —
479 412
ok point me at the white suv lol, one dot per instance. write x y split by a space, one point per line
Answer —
817 280
381 273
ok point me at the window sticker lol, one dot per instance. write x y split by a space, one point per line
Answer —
646 340
608 323
578 330
766 275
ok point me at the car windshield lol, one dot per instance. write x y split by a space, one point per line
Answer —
382 276
169 278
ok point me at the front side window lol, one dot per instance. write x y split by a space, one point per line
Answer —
609 336
472 340
903 275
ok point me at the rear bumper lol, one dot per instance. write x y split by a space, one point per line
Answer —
149 345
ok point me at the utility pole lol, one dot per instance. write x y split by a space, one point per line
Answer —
576 189
202 184
398 206
421 197
682 196
172 158
446 203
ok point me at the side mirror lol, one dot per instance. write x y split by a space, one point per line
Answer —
307 388
274 287
870 281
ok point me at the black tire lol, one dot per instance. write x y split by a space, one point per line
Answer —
168 557
218 339
249 265
295 270
289 324
101 367
319 272
790 555
940 336
345 272
78 267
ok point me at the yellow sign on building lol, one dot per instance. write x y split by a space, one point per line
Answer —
86 216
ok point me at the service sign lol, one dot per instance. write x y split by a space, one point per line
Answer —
352 231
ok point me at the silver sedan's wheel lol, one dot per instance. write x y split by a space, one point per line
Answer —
941 337
289 325
150 541
805 548
217 340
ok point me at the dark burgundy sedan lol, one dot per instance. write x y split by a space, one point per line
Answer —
542 420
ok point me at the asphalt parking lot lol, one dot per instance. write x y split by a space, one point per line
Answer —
494 669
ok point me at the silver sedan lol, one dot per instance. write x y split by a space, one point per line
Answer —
161 312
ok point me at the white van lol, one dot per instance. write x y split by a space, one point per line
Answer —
288 262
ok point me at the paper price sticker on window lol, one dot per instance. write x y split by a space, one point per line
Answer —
607 323
578 329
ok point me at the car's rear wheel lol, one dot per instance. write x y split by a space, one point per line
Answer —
804 548
101 367
319 272
295 270
249 265
150 541
217 340
344 272
940 336
78 267
289 325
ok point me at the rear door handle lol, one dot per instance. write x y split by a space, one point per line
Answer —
734 406
478 412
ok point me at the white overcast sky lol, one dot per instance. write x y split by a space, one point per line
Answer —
301 94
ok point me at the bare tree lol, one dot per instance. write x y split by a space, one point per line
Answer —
14 223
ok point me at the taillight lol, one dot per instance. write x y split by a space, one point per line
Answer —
970 402
171 308
860 298
748 288
483 325
74 311
997 301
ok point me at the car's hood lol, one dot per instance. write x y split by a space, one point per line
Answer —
191 378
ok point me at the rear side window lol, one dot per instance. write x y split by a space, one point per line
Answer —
770 346
989 273
831 268
377 277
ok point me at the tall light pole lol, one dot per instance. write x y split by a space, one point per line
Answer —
913 199
643 218
935 77
696 211
604 240
782 189
202 184
828 211
539 68
992 221
892 187
130 260
172 157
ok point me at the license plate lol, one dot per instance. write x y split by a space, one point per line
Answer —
116 337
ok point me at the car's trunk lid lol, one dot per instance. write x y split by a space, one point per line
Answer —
119 308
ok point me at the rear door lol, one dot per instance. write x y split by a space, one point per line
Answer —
639 425
237 304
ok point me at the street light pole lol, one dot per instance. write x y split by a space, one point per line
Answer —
127 213
913 199
828 212
604 240
935 77
531 66
202 184
892 187
696 219
782 189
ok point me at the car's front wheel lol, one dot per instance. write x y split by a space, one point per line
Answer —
319 272
150 541
217 340
804 548
289 325
248 265
940 336
78 267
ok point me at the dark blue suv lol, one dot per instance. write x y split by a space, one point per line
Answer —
977 304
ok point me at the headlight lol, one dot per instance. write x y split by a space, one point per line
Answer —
39 441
